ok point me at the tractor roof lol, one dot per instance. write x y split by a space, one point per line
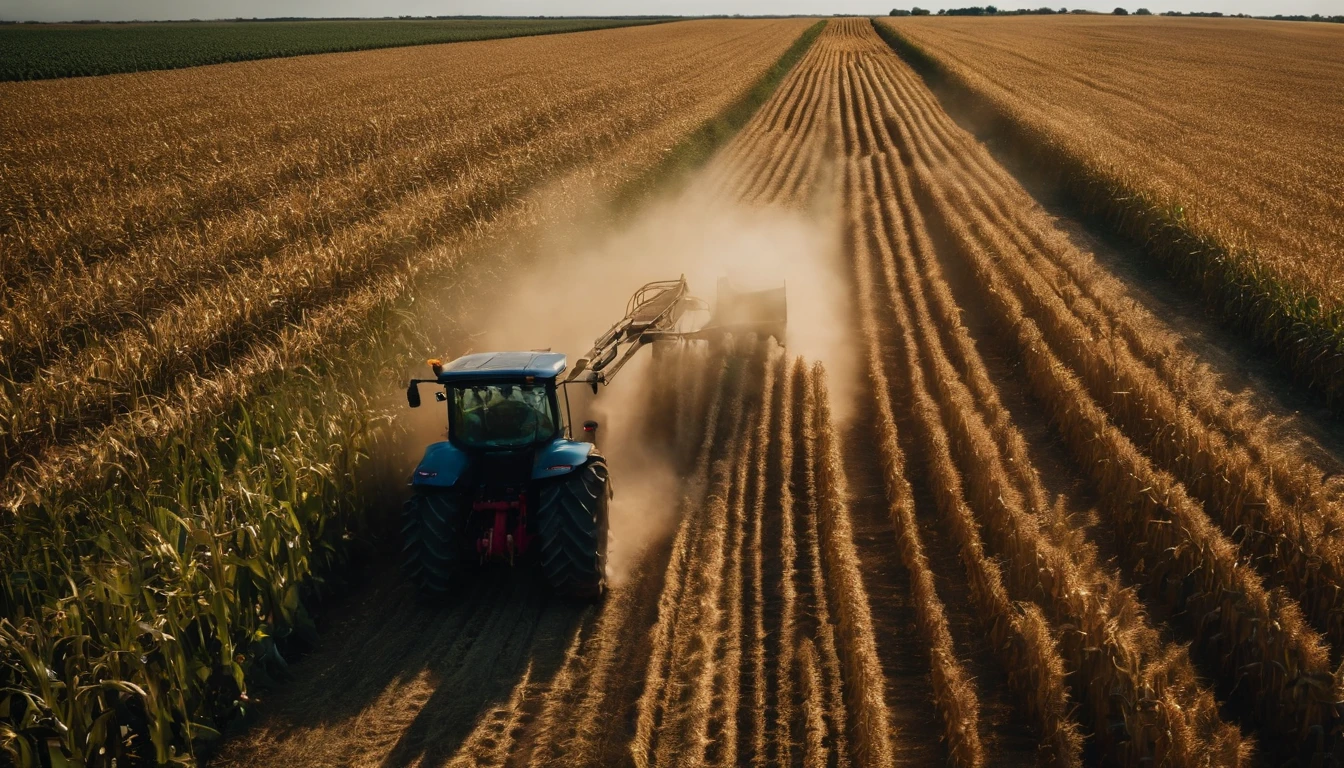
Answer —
543 365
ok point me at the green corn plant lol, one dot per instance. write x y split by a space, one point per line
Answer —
141 609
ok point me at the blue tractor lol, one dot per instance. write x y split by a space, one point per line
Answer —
513 482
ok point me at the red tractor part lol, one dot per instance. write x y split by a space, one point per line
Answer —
505 536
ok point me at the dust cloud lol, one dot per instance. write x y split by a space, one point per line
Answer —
580 276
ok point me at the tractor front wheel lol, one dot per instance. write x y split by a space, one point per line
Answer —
572 531
431 535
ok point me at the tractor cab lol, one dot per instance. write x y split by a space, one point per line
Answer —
500 400
501 415
501 405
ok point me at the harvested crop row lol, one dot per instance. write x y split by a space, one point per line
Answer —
690 709
659 666
777 158
1294 536
1251 221
871 723
993 493
954 695
821 589
786 655
1154 514
757 680
686 699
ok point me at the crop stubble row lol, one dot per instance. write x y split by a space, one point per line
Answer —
1171 446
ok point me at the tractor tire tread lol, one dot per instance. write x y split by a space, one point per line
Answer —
572 530
431 539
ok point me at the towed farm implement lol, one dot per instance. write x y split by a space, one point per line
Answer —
513 482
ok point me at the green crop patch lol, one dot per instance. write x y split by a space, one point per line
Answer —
44 51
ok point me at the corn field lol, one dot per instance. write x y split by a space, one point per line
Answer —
1035 522
1224 175
196 328
32 52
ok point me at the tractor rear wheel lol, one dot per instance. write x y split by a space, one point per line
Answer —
431 540
572 531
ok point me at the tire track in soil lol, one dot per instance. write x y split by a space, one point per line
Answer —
380 692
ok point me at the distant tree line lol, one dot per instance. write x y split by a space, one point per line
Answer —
989 10
1275 17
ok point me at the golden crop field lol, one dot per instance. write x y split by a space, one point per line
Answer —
164 227
1226 128
1017 512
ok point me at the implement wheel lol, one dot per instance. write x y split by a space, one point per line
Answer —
572 530
431 538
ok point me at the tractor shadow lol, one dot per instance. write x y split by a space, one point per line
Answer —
398 678
515 645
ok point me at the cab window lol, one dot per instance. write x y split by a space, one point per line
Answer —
501 415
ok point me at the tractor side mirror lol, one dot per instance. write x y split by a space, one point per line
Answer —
590 431
413 394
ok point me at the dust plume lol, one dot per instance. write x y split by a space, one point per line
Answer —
565 281
581 275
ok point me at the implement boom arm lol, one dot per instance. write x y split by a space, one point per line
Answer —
651 314
654 314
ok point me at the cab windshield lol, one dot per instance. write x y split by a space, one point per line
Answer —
501 415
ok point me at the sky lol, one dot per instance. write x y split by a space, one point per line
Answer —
126 10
